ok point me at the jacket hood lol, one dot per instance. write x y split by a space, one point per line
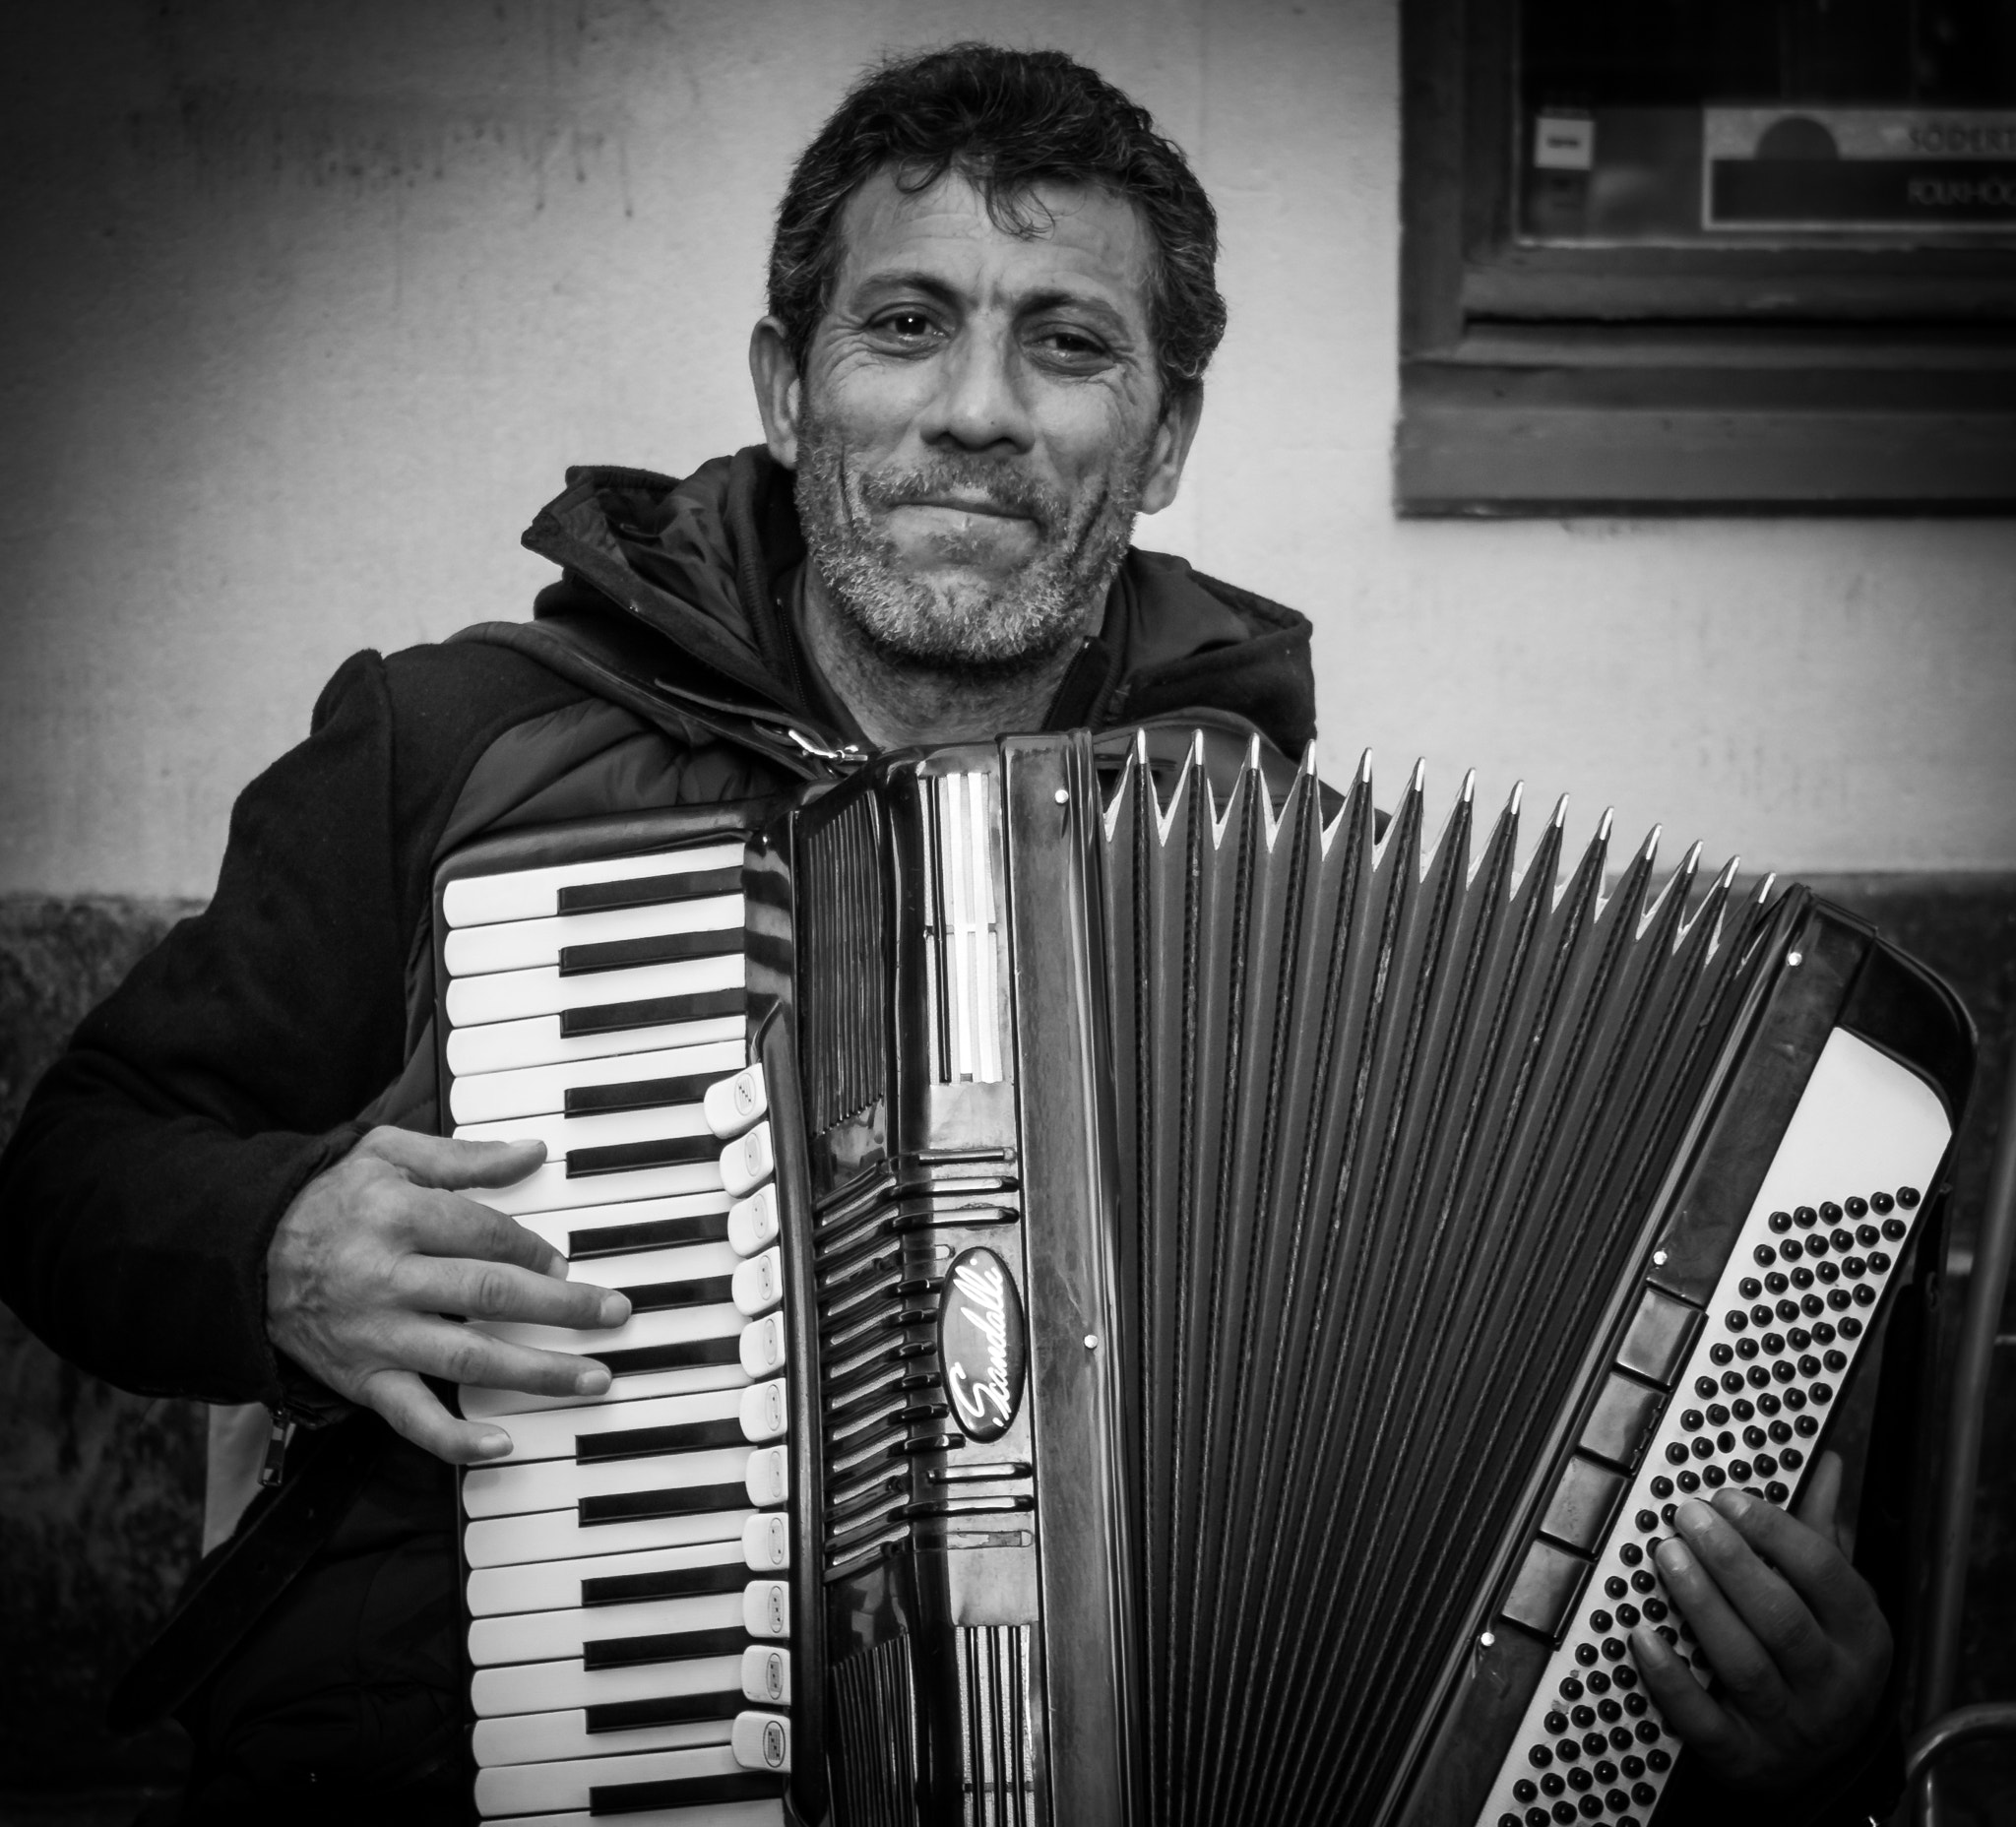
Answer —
679 583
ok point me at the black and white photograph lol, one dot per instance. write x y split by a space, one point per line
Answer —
921 913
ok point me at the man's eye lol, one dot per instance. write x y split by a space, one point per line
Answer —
1072 346
906 326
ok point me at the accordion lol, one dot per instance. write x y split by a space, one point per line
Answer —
1158 1295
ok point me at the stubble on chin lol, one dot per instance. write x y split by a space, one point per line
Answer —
956 624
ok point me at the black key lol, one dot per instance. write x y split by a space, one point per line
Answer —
629 1157
653 1012
722 1576
669 1710
653 1234
631 1507
648 1442
660 948
678 1356
660 1296
691 1791
638 1094
649 890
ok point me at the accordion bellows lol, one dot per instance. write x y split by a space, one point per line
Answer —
1396 1128
1260 1278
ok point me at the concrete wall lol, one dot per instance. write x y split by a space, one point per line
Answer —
308 304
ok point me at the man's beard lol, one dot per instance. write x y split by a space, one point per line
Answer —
975 626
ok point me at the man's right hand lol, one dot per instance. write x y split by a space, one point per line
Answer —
376 1250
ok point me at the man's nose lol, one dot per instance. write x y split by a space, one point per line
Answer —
980 403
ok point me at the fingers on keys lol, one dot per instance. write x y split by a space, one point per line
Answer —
1774 1605
1834 1596
479 1289
443 1224
437 1161
416 1413
455 1354
1681 1700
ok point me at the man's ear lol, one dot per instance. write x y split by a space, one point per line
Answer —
1171 450
780 394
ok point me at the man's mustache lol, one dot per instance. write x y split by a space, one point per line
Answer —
987 485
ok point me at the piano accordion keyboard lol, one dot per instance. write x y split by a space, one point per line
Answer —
629 1558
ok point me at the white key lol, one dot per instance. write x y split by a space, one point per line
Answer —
560 1535
555 1585
767 1813
609 1130
734 1103
765 1410
548 1189
513 995
747 1162
560 1228
560 1483
532 1788
759 1282
753 1221
767 1608
769 1477
504 1047
763 1742
763 1345
558 1686
767 1543
767 1674
545 1737
516 944
537 1091
488 1405
550 1636
527 894
556 1433
668 1326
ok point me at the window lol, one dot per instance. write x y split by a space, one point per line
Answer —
1709 255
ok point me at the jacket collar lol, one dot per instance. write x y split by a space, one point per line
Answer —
697 563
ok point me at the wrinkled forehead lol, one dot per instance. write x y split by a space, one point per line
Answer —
1044 239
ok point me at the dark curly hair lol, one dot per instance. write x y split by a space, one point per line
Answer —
1008 121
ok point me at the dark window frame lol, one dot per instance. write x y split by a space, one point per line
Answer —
1560 379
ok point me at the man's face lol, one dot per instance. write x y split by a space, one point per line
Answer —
978 421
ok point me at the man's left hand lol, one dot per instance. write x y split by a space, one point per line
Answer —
1791 1630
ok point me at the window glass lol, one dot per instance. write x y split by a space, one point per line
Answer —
1762 122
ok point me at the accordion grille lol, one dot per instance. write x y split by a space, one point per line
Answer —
840 933
998 1778
873 1722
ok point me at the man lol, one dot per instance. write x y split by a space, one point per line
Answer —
991 307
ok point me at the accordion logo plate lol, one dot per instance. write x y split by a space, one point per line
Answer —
980 1343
